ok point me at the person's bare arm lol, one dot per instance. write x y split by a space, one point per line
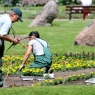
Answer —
26 56
10 39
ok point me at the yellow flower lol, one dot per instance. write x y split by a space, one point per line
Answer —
46 80
68 66
38 83
74 75
31 70
70 76
42 70
17 67
60 78
79 75
33 85
21 59
14 71
8 72
91 72
50 81
63 57
82 74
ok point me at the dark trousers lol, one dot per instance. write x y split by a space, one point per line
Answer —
1 79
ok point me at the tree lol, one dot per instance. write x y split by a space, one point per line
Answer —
14 2
65 2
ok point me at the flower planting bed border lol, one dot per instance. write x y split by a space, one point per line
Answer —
32 78
51 76
90 81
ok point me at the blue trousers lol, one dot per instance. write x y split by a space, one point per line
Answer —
1 79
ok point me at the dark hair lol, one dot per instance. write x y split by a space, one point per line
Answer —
34 33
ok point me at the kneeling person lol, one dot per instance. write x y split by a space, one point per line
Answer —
41 52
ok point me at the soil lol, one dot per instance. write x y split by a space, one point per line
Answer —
16 80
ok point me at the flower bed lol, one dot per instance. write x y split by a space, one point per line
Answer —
11 65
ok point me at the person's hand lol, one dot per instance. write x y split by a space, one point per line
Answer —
16 41
21 66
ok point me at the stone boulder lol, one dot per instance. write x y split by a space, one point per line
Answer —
86 36
46 15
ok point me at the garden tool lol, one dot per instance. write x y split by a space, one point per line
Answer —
24 38
4 81
18 71
22 45
19 43
19 40
13 45
9 47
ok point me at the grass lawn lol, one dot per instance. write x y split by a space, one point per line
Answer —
50 90
60 36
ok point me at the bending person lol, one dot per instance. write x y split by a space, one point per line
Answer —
6 21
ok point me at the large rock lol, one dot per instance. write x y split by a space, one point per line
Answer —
87 36
46 15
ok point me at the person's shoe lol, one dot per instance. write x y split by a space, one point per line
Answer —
50 71
45 70
1 86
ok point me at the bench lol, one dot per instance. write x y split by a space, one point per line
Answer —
79 10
